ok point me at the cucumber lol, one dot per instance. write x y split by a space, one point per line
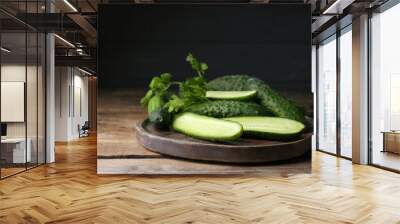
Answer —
273 128
207 128
231 95
279 105
156 102
228 108
160 117
157 114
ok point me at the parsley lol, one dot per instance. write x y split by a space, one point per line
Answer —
191 91
159 86
199 67
175 104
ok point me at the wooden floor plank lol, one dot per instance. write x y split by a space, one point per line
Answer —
70 191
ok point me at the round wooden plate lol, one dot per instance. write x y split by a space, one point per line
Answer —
244 150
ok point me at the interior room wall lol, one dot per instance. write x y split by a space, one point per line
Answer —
16 72
34 103
80 112
71 87
61 103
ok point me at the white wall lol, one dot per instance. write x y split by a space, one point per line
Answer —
62 82
33 126
80 112
17 73
14 72
71 102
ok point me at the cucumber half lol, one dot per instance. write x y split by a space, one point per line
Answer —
273 128
207 128
231 95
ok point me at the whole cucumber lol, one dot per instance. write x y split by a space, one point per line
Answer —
228 108
157 113
277 104
156 102
160 117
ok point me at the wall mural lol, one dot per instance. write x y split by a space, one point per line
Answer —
204 89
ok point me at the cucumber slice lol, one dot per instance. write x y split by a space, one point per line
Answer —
207 128
231 95
273 128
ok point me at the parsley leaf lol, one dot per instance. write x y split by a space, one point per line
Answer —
175 104
199 67
191 91
159 85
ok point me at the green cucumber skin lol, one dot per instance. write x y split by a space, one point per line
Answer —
241 98
155 103
189 132
266 134
272 100
270 136
228 108
229 83
160 117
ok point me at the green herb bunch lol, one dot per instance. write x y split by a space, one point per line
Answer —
191 91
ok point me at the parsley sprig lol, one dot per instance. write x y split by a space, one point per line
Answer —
191 91
199 67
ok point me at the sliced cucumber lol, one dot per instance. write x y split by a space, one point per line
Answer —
207 128
231 95
273 128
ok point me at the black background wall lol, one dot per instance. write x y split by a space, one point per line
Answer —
137 42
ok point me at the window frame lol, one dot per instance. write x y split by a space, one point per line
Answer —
334 37
380 9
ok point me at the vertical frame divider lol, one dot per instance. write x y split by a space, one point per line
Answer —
369 78
26 86
317 97
44 77
338 81
37 90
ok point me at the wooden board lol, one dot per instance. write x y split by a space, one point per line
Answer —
244 150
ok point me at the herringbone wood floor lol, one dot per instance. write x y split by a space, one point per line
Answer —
69 191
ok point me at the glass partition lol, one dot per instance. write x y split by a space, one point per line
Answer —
385 89
14 151
346 93
41 97
31 99
35 87
327 95
23 91
334 94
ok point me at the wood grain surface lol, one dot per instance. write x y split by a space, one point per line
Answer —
243 150
118 111
119 152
